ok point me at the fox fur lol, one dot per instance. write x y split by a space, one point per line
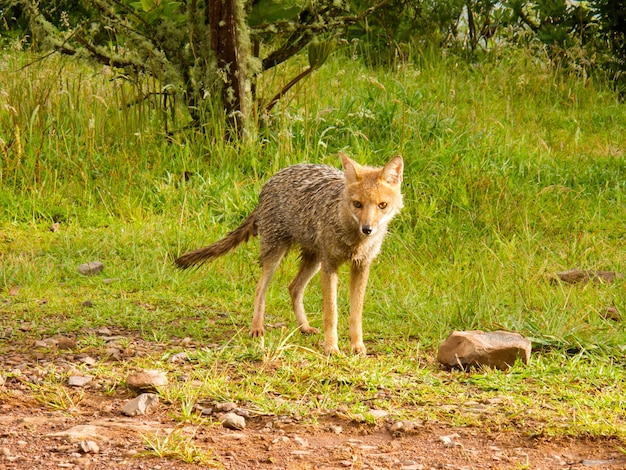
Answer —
334 217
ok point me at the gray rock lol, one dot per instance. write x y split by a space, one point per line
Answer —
91 269
225 407
140 405
146 380
78 380
89 447
233 421
499 349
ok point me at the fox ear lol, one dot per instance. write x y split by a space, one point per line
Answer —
392 172
350 167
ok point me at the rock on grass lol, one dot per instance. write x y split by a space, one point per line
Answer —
499 349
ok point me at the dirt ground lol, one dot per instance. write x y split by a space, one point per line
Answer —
28 441
95 435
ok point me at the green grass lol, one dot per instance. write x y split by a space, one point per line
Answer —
515 170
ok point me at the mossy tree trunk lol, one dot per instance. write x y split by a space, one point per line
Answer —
229 40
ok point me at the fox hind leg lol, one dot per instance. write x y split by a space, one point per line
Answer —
309 265
270 259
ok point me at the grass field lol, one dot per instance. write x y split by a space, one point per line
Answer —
515 170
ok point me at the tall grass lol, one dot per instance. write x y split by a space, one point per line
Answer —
514 170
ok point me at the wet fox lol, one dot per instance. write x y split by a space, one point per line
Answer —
334 217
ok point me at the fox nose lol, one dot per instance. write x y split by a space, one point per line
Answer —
366 229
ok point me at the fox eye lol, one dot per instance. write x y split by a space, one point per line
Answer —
382 205
357 204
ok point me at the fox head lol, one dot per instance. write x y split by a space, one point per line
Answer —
373 194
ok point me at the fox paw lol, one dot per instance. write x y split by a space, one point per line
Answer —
309 330
359 349
331 349
257 332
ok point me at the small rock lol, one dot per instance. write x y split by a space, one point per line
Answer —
179 358
574 276
225 407
499 349
233 421
55 227
63 342
87 360
146 381
449 441
91 269
300 441
397 427
140 405
335 428
596 463
378 414
415 466
78 380
114 353
104 331
611 313
89 447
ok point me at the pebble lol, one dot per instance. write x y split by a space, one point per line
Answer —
335 428
225 407
146 380
78 380
91 269
140 405
89 447
449 441
233 421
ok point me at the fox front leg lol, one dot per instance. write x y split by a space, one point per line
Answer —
330 278
359 274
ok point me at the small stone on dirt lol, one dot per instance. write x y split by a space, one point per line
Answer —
91 269
225 407
63 342
78 380
449 441
89 447
146 380
179 358
233 421
499 349
140 405
335 428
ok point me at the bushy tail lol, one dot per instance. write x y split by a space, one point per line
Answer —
231 241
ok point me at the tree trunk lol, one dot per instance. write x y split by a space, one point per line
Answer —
225 32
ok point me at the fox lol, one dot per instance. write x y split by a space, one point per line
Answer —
334 217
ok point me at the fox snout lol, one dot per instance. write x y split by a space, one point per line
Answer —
366 229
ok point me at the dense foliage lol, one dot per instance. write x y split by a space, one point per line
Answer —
171 40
